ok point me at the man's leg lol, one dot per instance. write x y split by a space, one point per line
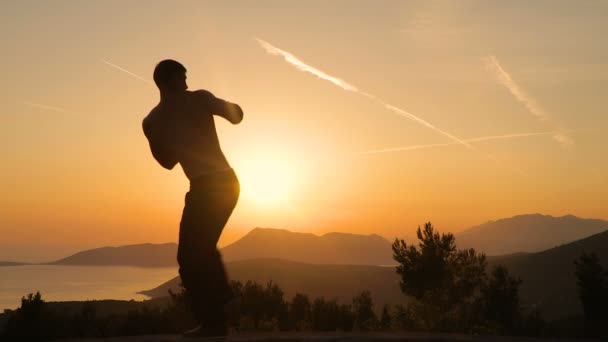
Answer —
201 268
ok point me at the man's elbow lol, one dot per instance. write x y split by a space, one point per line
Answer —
168 165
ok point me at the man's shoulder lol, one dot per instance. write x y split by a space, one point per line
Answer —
201 95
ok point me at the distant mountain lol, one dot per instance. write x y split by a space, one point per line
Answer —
548 277
528 233
12 263
331 248
142 255
341 282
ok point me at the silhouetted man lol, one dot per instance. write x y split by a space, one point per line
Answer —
181 129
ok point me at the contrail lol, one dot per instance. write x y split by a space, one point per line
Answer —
493 65
295 61
47 107
503 77
300 65
472 140
125 71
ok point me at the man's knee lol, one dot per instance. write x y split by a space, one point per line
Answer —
205 256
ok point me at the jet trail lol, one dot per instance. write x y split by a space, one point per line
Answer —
472 140
493 65
505 79
295 61
47 107
125 71
300 65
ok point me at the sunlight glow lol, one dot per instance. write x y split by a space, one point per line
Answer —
266 181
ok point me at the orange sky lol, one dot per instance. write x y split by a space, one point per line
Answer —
77 171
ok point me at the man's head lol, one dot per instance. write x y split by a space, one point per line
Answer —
170 75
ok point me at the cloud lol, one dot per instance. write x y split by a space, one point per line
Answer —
47 107
300 65
493 65
563 139
503 77
125 71
295 61
472 140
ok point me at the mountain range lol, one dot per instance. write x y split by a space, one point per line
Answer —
331 248
539 249
528 233
549 284
519 234
341 282
141 255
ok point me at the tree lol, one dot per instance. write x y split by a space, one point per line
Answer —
299 312
324 314
435 272
263 304
592 282
500 300
385 318
363 310
32 321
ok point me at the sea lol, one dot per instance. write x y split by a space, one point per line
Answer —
77 283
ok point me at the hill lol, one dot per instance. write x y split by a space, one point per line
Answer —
548 277
331 248
524 233
12 263
342 282
142 255
528 233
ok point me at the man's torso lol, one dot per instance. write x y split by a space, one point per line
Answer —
187 128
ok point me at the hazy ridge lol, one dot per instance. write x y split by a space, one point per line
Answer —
527 233
331 248
518 234
339 265
342 282
548 277
141 255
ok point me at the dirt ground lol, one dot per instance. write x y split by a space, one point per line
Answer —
320 337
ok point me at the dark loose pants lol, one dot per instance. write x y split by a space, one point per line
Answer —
208 206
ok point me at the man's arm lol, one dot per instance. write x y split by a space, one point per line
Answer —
228 110
163 156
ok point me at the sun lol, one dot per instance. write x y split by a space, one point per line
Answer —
266 181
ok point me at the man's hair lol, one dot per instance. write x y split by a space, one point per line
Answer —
165 70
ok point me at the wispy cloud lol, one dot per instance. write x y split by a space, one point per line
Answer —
295 61
494 66
472 140
300 65
47 107
503 77
125 71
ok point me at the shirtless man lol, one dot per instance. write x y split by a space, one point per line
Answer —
181 129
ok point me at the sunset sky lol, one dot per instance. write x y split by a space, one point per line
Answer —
341 99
